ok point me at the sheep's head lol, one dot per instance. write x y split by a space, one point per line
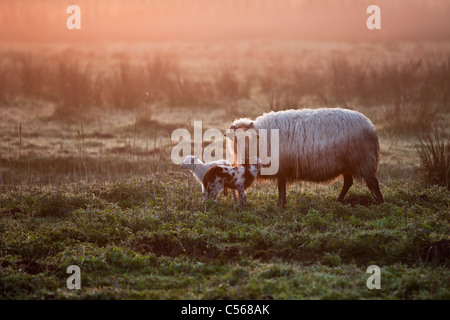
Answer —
244 135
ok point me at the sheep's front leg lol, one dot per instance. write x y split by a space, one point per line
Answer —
281 192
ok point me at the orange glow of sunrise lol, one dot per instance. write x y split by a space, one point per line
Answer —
120 20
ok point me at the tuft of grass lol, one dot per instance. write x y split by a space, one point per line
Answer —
434 151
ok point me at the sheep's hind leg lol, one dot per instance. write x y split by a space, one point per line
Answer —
374 188
348 182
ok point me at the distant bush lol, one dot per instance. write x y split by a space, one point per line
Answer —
413 91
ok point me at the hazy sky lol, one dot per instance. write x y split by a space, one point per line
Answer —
141 20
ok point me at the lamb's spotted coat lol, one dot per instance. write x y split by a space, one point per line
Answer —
237 178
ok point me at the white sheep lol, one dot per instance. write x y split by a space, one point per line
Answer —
198 169
319 145
237 178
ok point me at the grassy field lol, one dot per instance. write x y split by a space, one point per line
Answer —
150 239
86 177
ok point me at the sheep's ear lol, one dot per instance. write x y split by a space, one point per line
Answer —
252 126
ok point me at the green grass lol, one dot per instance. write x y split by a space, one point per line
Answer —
151 240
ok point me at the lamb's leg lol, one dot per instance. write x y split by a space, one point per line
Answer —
348 182
281 192
213 191
205 199
225 192
234 196
242 198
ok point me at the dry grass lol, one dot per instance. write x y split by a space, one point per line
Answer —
434 152
412 86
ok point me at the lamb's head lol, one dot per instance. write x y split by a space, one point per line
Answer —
189 162
244 135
